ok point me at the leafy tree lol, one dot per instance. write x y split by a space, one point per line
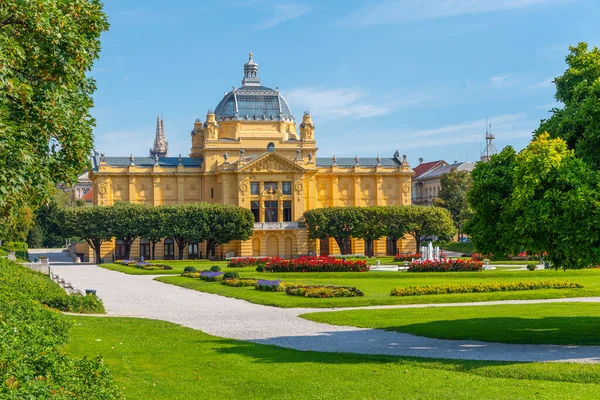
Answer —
16 228
395 226
453 197
153 226
177 224
47 217
578 122
35 237
47 47
225 223
423 221
372 227
127 223
92 224
339 223
491 226
555 204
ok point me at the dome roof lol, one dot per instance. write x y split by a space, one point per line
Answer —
252 101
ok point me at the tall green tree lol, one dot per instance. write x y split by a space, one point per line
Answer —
425 221
395 224
127 223
225 223
556 204
578 89
453 197
340 223
372 227
92 224
491 227
47 47
153 226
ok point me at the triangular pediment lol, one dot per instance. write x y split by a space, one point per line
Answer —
271 162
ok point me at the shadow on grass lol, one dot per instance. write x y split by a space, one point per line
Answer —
566 331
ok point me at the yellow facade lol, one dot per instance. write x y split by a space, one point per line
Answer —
261 162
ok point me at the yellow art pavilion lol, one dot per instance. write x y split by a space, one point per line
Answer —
249 152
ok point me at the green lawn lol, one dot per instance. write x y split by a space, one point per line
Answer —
378 285
178 267
158 360
558 323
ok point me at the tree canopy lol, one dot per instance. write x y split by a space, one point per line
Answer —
453 197
47 47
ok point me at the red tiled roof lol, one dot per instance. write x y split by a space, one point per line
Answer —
89 196
424 167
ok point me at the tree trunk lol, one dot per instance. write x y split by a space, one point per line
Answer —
343 243
210 245
394 245
417 237
154 248
369 247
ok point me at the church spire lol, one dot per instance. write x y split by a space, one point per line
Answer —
251 73
161 146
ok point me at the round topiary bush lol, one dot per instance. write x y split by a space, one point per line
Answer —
215 268
531 267
189 269
260 268
231 275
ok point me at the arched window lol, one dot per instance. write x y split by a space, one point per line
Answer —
192 250
119 249
169 248
145 249
271 146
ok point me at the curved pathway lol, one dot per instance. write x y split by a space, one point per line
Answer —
141 296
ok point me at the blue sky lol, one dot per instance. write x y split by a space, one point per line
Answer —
419 76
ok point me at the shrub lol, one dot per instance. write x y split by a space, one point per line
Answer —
32 361
191 275
260 268
215 268
189 269
316 264
445 265
239 282
407 257
230 275
531 267
144 265
268 286
324 291
482 287
241 262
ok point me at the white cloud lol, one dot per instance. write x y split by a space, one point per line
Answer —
502 81
351 103
282 12
396 11
543 84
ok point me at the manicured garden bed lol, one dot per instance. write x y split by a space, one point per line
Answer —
483 287
188 364
316 264
376 286
551 323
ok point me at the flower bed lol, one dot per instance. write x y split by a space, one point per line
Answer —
445 265
144 265
241 262
324 291
315 264
407 257
482 287
275 285
241 282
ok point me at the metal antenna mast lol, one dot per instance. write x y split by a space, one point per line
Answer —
490 149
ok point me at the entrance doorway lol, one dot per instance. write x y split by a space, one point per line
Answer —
272 246
324 247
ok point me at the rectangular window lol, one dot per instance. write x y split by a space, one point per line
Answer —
286 188
254 188
255 207
212 193
270 186
287 211
271 211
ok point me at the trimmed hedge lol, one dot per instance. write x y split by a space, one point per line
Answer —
32 362
445 265
483 287
316 264
324 291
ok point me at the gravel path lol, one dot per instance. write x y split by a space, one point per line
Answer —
141 296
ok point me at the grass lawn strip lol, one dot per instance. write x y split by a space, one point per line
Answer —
377 286
551 323
180 363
